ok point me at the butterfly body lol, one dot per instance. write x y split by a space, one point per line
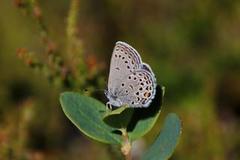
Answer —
131 82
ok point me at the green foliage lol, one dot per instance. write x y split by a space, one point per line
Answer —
165 144
118 118
92 118
138 121
144 118
193 49
86 113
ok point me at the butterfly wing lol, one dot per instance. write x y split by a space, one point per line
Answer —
125 59
139 87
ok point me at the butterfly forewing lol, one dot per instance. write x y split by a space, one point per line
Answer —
124 61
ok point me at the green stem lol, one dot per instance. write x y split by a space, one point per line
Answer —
126 146
75 57
72 19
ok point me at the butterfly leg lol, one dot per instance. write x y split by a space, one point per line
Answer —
108 106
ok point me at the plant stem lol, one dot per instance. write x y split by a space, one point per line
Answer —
126 146
75 57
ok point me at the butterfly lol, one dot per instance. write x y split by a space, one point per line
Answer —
131 82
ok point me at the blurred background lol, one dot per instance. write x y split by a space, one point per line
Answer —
47 47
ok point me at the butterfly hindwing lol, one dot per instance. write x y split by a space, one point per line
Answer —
138 89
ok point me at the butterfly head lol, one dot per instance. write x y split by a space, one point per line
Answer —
113 99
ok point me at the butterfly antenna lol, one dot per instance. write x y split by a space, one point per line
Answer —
87 91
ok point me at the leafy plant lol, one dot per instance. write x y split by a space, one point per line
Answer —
123 125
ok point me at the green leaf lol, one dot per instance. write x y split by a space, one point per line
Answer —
119 118
166 142
86 114
143 119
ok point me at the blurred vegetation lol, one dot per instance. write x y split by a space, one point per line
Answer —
47 47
